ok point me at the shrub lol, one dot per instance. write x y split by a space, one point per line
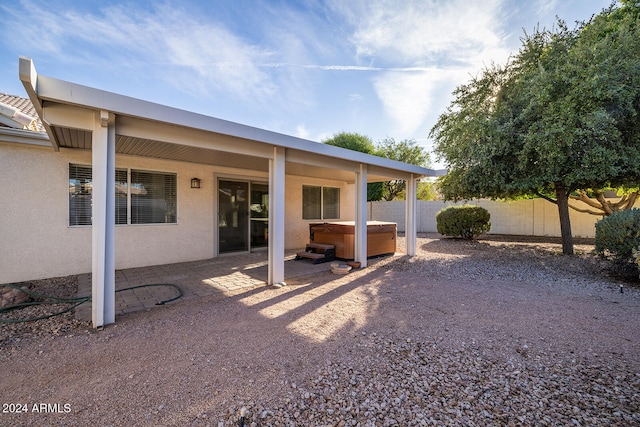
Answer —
617 236
636 255
464 221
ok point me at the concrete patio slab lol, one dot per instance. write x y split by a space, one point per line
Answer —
217 276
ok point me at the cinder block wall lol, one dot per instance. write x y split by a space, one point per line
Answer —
535 217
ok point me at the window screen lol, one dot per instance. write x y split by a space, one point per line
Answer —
122 189
311 202
153 198
152 195
330 203
80 190
320 202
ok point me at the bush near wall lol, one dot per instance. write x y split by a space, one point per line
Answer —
464 221
618 239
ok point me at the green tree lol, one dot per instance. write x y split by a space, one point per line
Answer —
425 191
352 141
407 151
363 144
560 118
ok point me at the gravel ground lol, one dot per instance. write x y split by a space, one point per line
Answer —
493 332
59 287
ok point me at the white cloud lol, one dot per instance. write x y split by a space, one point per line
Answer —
420 32
544 7
343 67
419 37
408 98
405 98
302 132
197 56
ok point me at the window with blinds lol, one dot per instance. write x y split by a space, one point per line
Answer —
320 202
153 198
122 195
79 195
144 197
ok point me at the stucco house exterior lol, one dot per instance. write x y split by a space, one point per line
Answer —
110 182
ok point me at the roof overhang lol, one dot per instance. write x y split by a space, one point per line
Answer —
23 136
68 112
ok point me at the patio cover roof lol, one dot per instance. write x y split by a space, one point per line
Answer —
80 117
147 129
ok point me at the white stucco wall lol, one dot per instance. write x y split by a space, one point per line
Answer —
36 241
535 217
297 229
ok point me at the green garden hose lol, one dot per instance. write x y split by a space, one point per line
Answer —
74 301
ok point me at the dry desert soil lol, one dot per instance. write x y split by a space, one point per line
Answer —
501 331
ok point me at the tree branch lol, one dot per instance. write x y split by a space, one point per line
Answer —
547 198
606 205
631 201
586 210
582 196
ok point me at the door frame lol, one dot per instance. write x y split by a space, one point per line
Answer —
217 177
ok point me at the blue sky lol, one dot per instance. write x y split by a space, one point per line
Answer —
382 68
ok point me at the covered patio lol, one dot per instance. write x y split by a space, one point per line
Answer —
218 277
116 128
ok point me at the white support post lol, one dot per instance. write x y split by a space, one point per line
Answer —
103 220
360 249
276 216
410 215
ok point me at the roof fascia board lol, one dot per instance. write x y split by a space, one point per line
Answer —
124 106
404 172
72 93
160 131
439 172
24 137
369 159
29 79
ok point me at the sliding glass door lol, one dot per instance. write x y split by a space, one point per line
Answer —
243 215
259 215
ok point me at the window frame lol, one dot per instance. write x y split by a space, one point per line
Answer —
173 198
322 203
82 182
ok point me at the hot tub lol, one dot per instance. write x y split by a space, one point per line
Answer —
381 237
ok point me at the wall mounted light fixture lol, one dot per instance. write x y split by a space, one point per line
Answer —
195 182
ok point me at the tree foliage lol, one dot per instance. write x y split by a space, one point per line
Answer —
560 118
426 191
352 141
407 151
357 142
